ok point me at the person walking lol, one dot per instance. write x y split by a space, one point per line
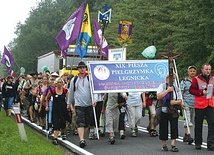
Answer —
188 100
49 104
39 99
112 114
60 112
163 95
202 88
151 100
98 98
29 88
8 94
134 110
79 93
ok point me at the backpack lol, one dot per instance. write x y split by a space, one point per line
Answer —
120 98
75 80
27 91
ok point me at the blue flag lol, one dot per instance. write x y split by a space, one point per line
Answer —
85 35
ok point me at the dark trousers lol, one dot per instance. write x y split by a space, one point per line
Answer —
208 112
98 110
163 126
121 125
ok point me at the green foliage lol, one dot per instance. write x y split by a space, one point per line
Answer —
187 24
11 143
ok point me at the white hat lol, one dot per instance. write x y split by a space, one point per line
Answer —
55 74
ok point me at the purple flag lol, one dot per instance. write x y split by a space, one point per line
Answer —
70 30
7 60
166 97
98 38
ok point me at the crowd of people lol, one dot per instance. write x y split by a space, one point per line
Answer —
64 104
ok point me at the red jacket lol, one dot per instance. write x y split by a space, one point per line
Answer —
197 87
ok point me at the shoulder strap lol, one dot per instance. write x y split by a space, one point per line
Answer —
75 80
65 90
53 91
185 80
176 90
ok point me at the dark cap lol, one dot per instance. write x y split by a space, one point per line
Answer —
81 64
191 67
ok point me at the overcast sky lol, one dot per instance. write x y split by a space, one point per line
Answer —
11 12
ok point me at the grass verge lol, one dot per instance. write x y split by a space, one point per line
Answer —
11 143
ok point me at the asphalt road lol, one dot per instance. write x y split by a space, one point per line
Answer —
143 144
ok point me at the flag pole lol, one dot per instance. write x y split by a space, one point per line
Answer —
101 44
105 19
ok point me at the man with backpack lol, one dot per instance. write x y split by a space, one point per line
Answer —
80 94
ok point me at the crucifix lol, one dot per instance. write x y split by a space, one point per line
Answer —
170 56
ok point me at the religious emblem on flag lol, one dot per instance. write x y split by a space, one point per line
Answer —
85 35
124 31
7 60
104 16
70 30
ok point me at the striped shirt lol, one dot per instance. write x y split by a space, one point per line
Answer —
188 98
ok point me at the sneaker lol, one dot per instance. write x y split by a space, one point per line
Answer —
91 135
133 133
136 129
122 135
64 137
164 148
95 136
197 147
55 142
111 140
50 131
82 143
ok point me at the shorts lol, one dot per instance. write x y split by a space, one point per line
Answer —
84 116
42 113
31 99
152 108
8 103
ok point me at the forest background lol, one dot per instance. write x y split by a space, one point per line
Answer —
187 24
